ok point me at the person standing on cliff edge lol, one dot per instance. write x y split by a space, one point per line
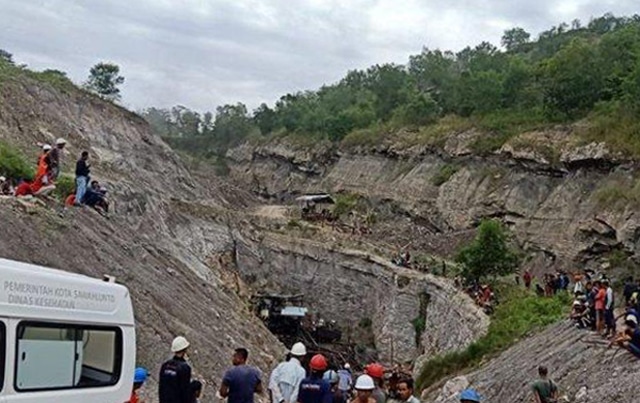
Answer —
82 177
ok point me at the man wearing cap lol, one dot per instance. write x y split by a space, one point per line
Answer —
346 380
53 158
286 378
175 375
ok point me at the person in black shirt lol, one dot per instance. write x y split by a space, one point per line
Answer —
175 375
82 177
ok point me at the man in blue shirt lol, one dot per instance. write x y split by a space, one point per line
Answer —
241 381
314 389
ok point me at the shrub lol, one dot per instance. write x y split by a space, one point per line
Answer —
65 185
520 314
13 164
444 174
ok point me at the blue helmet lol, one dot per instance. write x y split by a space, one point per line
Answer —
471 395
140 375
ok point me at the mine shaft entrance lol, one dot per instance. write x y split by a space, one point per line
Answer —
287 317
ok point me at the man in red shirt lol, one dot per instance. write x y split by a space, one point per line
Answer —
600 299
527 279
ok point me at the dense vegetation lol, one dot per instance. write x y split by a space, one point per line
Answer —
519 314
570 72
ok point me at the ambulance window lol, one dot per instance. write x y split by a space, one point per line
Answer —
75 356
3 349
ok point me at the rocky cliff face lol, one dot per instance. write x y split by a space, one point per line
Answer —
354 287
181 244
558 197
582 366
156 242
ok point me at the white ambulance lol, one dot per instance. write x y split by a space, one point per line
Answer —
64 337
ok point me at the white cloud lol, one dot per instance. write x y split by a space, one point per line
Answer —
203 53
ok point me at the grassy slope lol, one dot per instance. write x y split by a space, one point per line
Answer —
518 315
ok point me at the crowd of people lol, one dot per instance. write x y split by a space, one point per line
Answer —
87 192
295 380
594 309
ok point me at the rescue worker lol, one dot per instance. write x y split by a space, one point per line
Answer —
405 391
469 396
139 377
241 381
376 372
314 389
346 380
332 377
286 377
175 375
364 388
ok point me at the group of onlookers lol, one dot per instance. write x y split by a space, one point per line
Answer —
294 380
87 192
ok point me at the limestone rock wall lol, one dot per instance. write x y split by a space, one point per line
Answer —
350 286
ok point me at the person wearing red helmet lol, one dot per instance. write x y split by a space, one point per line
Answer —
315 389
376 372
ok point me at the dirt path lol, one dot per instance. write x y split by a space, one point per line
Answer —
273 212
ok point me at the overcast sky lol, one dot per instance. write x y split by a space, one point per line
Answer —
204 53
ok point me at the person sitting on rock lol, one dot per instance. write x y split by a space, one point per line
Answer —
630 338
5 186
96 197
544 390
580 312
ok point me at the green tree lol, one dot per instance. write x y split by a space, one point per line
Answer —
514 37
573 80
488 254
6 56
104 79
265 118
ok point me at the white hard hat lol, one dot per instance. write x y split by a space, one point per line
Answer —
179 344
347 366
298 350
61 141
2 179
46 147
365 382
632 318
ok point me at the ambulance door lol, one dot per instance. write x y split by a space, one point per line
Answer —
4 366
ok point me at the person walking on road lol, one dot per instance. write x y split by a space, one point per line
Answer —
175 375
241 381
287 376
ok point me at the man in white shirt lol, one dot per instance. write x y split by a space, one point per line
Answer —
286 377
